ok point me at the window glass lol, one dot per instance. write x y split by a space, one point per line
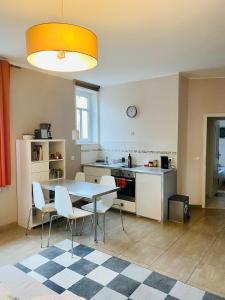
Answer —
82 102
78 120
84 125
86 116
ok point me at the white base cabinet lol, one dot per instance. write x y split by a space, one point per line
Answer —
149 195
152 193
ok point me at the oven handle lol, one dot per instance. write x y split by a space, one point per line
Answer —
130 180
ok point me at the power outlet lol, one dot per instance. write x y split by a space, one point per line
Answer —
72 157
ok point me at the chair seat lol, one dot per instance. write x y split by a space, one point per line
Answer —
49 207
79 213
101 208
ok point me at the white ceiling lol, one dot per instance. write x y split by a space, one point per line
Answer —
138 39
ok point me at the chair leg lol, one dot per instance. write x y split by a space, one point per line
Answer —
42 228
71 227
50 227
92 223
121 216
82 227
104 228
67 224
28 220
75 226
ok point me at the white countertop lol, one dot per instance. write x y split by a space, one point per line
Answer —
139 169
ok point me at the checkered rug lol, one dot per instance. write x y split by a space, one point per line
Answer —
95 275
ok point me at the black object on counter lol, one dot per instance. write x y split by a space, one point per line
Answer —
44 132
179 208
164 162
129 161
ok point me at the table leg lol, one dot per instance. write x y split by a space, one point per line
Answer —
95 225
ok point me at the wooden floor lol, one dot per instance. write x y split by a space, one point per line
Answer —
193 252
217 202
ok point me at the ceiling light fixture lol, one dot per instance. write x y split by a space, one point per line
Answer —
61 47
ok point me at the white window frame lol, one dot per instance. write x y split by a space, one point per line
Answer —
92 138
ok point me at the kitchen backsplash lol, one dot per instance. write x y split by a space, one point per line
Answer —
114 152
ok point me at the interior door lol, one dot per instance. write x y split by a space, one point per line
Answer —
217 155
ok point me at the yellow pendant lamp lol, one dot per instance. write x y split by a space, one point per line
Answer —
61 47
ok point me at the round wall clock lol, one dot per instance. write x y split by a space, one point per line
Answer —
131 111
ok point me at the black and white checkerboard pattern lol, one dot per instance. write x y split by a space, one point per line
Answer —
95 275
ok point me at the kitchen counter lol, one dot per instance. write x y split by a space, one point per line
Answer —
138 169
149 191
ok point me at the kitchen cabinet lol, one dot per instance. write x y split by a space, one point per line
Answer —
152 193
153 187
94 174
149 196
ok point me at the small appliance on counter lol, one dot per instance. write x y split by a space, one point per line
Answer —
164 162
44 132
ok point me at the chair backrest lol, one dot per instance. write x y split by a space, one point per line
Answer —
63 202
110 181
80 177
38 196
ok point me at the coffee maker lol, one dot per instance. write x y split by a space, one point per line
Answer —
44 132
164 162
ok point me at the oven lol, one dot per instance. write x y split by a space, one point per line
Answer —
125 179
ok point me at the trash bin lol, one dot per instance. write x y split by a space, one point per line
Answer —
179 208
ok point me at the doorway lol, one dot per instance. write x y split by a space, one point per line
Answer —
214 177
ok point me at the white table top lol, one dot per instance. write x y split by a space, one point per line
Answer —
80 189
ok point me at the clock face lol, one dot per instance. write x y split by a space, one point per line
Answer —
131 111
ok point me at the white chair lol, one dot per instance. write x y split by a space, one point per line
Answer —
79 177
105 202
65 209
40 204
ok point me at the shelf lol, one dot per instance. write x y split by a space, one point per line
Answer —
55 179
52 160
38 161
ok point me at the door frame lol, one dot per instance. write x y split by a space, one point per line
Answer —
205 119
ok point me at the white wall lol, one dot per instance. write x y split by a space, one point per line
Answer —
152 132
182 135
38 98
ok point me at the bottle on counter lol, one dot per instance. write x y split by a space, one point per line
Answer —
129 161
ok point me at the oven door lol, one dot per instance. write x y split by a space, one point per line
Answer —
127 188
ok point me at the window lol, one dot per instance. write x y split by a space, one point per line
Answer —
86 116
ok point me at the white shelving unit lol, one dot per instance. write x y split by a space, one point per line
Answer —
30 169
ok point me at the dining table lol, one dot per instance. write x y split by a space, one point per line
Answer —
91 191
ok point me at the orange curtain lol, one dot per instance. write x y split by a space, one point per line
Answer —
5 161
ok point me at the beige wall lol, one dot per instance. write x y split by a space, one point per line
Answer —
38 98
204 96
182 134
